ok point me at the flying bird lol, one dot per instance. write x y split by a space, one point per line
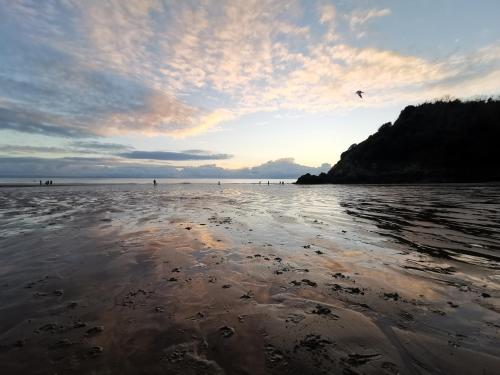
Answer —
360 93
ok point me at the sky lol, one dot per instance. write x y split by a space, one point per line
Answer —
215 88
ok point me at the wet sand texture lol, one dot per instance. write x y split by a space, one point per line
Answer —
241 279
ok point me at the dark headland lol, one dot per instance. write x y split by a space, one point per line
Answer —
444 141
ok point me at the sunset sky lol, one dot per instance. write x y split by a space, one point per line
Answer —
92 87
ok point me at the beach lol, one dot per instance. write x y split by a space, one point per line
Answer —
250 279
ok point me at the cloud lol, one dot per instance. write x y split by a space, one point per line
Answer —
73 148
22 149
103 68
327 13
167 155
112 150
78 167
99 146
361 16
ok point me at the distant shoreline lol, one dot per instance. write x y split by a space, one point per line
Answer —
27 185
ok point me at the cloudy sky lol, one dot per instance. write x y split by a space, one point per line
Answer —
225 88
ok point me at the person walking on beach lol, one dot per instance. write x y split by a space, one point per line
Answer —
268 182
40 182
154 182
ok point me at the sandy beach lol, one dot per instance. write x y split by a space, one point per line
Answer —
249 279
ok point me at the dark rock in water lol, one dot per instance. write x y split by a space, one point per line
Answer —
247 295
445 141
360 359
393 296
50 327
95 330
323 310
95 351
226 286
63 343
274 357
485 295
309 282
312 343
79 324
354 291
336 287
227 331
319 252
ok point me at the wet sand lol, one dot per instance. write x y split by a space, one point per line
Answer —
242 279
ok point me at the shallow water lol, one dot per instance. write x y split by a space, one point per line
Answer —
401 269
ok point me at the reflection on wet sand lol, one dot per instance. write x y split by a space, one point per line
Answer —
245 280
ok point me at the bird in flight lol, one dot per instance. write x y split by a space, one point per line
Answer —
360 93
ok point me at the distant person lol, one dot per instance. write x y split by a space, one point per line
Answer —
154 182
47 183
51 182
268 182
40 182
218 182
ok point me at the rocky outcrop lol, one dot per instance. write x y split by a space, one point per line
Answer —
448 141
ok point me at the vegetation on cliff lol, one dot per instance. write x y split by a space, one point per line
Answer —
443 141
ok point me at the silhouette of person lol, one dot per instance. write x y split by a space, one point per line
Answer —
40 182
51 182
268 182
154 182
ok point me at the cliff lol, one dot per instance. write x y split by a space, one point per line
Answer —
433 142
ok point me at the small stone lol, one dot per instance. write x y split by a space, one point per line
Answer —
95 351
227 331
247 295
95 330
393 296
